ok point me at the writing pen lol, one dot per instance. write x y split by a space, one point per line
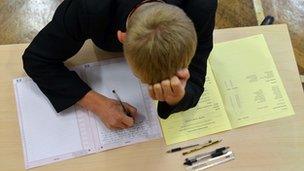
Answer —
124 108
204 164
204 156
181 148
209 143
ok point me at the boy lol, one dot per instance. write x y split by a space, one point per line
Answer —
166 44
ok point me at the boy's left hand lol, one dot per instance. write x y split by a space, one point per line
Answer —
171 90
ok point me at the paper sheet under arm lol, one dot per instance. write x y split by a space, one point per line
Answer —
207 117
115 75
49 137
245 84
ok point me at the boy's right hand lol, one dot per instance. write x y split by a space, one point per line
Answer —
108 110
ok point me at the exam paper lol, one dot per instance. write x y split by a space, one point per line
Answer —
209 116
249 82
130 90
48 137
242 87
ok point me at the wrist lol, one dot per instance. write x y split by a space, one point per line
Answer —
92 100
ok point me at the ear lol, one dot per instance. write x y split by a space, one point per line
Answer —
121 36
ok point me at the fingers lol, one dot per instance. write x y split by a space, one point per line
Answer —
117 123
135 115
158 91
119 126
166 87
176 85
127 121
169 87
120 120
183 74
151 92
132 110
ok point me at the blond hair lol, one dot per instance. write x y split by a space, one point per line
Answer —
160 40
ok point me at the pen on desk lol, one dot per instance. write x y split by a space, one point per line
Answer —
181 148
218 152
124 108
204 164
209 143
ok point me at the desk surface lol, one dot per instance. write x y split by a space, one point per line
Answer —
272 145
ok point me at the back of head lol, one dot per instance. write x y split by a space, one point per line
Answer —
160 40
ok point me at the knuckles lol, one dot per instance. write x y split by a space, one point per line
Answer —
175 83
157 86
165 83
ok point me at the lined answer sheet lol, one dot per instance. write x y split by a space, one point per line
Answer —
130 90
48 137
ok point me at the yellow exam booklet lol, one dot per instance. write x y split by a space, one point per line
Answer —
242 87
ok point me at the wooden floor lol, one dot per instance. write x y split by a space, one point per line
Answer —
21 20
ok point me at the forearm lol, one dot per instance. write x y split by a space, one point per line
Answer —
92 101
190 99
44 59
61 86
203 16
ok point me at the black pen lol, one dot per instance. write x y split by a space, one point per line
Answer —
124 108
204 156
181 148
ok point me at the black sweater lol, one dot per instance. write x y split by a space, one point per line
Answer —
78 20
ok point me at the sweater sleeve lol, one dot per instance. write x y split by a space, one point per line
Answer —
202 13
43 59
